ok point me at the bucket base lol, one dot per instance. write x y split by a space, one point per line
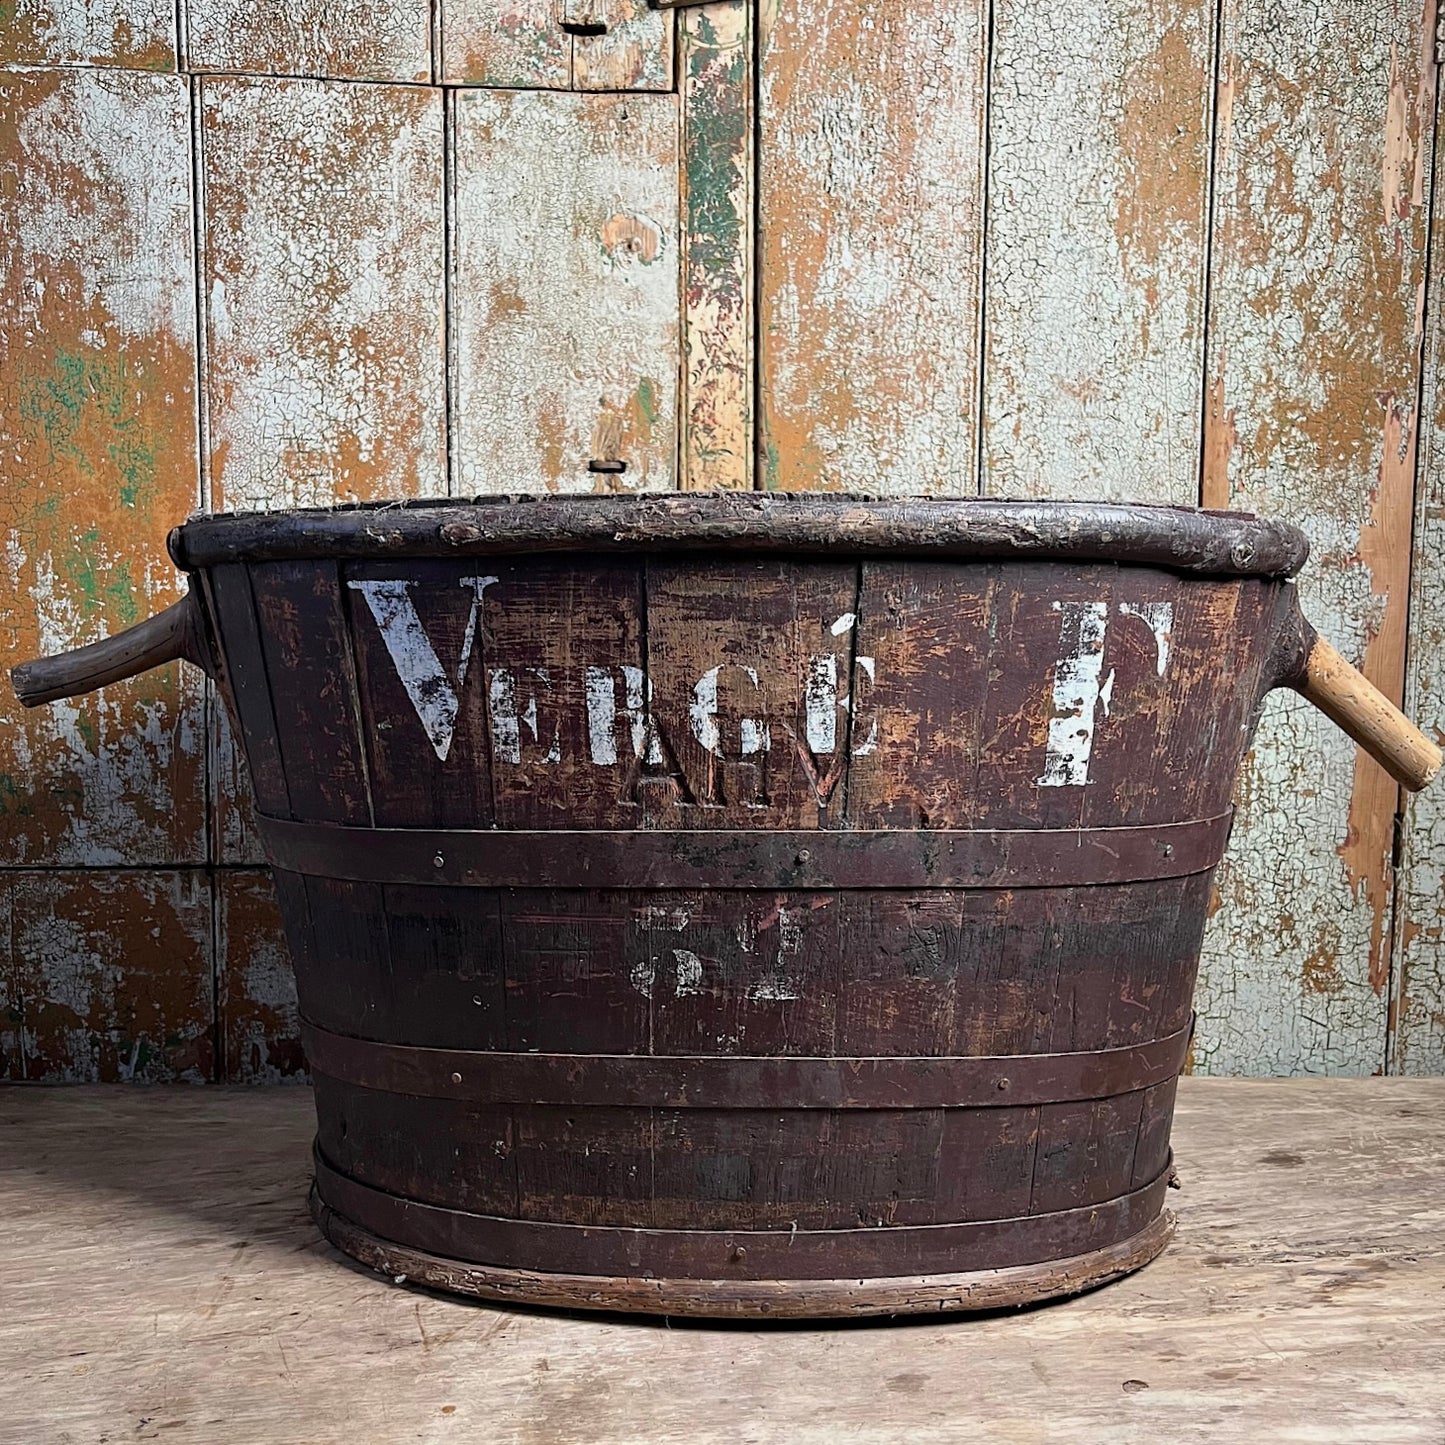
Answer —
981 1289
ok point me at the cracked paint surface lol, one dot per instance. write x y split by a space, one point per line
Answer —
566 291
1318 268
137 34
1097 215
870 179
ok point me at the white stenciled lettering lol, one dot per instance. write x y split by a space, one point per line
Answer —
603 713
781 983
869 668
820 704
417 665
1076 693
753 735
1158 617
508 720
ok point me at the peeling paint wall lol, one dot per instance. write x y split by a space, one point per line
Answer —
256 256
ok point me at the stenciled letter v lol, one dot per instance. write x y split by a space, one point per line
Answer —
417 665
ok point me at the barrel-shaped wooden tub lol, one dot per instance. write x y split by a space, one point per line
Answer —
750 905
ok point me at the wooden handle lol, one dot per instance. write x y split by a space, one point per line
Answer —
174 633
1347 698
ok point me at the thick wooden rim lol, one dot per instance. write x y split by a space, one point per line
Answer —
794 1299
1183 539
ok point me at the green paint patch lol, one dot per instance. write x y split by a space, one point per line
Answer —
85 407
85 726
120 595
716 151
77 565
14 800
770 452
647 400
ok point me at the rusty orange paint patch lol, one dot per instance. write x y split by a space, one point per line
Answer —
1384 551
135 34
258 1024
97 414
324 292
111 975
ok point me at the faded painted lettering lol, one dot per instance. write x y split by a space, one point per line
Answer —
417 665
1076 693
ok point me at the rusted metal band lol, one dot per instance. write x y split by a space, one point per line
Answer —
739 1254
709 1081
746 858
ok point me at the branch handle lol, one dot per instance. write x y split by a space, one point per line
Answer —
178 632
1351 701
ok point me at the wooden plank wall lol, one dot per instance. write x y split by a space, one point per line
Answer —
256 256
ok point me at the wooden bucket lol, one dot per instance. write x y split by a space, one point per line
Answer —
745 905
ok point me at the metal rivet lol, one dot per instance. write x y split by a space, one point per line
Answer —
477 999
1003 1084
1168 850
456 1078
438 861
804 856
738 1253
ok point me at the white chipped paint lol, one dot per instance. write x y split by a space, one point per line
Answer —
779 984
422 676
871 184
1313 344
508 720
1158 617
348 39
673 920
567 300
1077 675
98 32
687 973
325 281
843 624
820 704
603 713
753 733
130 239
1094 305
644 976
869 668
687 967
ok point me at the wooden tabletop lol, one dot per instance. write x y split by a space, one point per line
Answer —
160 1279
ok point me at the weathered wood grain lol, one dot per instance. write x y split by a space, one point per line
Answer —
565 300
342 39
716 77
1417 991
1262 1319
137 34
870 177
257 1026
1098 189
323 283
98 437
109 975
1323 137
